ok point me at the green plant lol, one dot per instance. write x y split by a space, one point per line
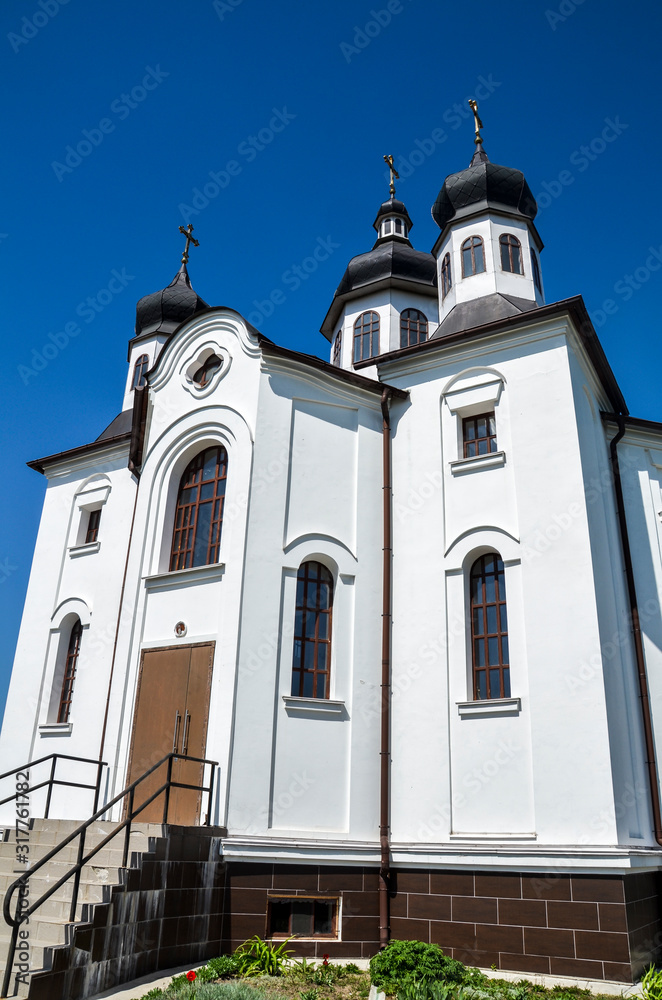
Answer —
256 957
223 967
413 962
212 991
309 994
351 968
303 968
651 984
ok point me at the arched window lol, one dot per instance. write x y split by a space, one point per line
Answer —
337 346
489 629
446 278
473 256
413 327
535 267
207 370
70 665
199 514
139 370
511 253
366 336
311 661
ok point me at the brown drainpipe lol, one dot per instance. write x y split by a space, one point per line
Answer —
636 630
384 804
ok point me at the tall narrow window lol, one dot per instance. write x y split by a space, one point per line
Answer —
489 629
511 253
199 513
413 327
479 435
70 672
535 267
446 277
92 533
311 662
337 348
139 370
366 336
473 256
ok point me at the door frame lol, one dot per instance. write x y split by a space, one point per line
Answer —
164 649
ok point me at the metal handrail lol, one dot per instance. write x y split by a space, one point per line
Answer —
52 780
23 913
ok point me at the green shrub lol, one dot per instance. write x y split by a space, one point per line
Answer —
352 969
651 984
256 957
212 991
403 963
223 967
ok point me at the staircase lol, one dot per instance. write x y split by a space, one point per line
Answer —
49 927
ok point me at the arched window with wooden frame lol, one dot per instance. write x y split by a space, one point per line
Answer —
70 666
366 336
337 349
511 253
413 327
446 276
489 628
311 659
473 256
139 370
199 514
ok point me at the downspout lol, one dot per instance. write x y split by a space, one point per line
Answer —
384 803
636 630
135 461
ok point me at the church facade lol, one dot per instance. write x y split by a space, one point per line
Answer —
406 599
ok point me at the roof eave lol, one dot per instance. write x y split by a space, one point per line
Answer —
339 300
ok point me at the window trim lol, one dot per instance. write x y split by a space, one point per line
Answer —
490 438
139 371
273 897
315 641
511 241
408 318
472 243
373 332
500 602
446 275
69 673
188 533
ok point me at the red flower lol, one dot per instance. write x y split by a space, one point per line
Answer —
326 960
190 976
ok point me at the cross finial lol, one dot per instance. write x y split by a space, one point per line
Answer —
394 173
479 125
189 239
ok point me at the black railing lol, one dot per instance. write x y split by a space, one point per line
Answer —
23 913
52 780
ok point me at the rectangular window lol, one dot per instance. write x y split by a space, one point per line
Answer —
479 435
302 917
93 526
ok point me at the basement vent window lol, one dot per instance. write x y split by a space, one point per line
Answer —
302 917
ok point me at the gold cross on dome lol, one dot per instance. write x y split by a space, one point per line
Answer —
189 239
479 125
394 174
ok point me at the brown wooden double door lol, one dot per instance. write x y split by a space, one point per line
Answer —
172 711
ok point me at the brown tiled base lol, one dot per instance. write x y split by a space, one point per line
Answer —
586 926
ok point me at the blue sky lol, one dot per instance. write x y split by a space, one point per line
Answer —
278 116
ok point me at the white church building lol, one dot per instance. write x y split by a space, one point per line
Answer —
406 599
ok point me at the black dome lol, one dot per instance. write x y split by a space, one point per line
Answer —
389 258
162 312
483 185
393 207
